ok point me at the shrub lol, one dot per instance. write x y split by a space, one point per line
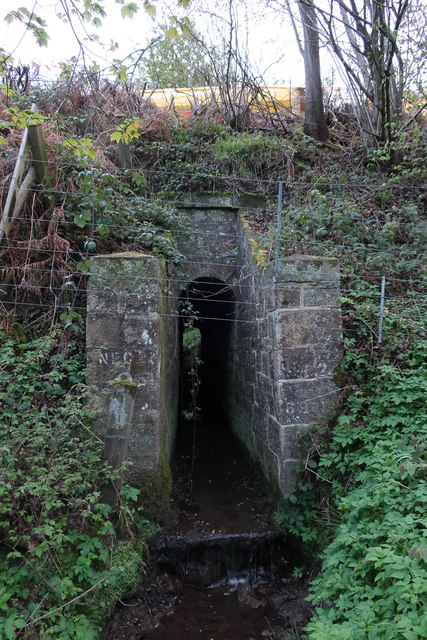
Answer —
57 537
374 578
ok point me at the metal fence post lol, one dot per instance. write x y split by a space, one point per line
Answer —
279 223
380 329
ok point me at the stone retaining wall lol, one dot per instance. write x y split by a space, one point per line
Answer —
285 346
285 354
132 335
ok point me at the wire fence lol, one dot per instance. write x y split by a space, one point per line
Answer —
76 291
65 260
70 286
189 231
273 180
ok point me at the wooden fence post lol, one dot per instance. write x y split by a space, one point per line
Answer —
125 159
15 193
38 152
18 190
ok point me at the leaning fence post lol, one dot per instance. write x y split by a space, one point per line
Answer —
380 329
10 210
40 161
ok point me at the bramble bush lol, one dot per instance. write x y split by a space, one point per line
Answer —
61 568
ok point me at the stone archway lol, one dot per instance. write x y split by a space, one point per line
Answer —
284 345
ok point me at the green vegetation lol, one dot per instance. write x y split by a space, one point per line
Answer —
373 579
370 485
66 556
247 154
362 496
61 572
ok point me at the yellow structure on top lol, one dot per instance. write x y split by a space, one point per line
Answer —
189 100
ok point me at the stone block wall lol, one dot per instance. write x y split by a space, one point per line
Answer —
287 345
132 336
208 240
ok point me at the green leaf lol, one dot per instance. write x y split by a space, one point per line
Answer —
149 8
84 266
172 33
102 229
129 10
81 219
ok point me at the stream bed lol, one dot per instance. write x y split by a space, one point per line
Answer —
222 570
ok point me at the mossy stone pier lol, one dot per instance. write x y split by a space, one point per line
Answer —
131 337
283 346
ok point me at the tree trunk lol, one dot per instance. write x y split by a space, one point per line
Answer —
315 123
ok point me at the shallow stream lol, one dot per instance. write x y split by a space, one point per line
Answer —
224 571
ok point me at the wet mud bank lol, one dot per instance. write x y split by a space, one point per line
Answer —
222 569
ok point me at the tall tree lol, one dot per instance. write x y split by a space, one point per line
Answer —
369 40
315 122
308 43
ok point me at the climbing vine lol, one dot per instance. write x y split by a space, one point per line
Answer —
191 347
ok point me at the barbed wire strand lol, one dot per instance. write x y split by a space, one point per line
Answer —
187 280
288 184
191 230
28 286
356 249
195 317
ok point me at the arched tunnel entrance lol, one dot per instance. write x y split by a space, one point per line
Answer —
206 313
265 366
211 471
269 355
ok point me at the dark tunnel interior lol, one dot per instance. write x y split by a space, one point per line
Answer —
207 305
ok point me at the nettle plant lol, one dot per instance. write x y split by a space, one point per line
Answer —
57 539
374 578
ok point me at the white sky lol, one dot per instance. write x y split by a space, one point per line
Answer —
271 44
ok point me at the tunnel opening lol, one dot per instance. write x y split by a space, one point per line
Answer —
210 467
206 319
220 528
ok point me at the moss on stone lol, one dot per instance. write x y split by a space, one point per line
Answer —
155 487
127 567
129 385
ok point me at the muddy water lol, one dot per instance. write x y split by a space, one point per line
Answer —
224 570
215 487
220 614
